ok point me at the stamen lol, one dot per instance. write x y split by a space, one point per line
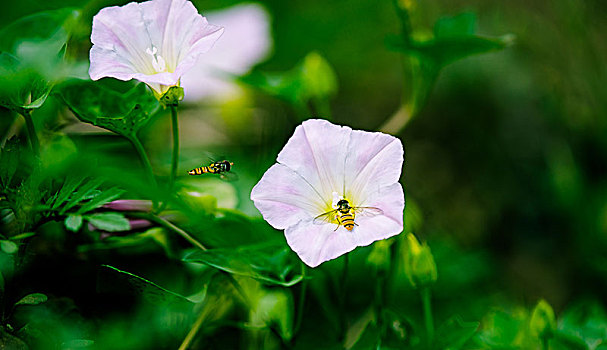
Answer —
158 62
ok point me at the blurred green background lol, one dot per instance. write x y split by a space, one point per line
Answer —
505 168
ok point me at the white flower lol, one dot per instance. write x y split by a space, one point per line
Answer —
246 42
155 42
320 163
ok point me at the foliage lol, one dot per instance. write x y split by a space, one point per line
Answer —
504 179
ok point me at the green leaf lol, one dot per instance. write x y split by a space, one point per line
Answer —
312 78
454 333
274 309
73 222
31 51
113 278
111 222
32 299
9 247
585 321
22 236
122 113
9 162
318 77
68 188
502 330
463 24
100 199
38 27
84 192
269 263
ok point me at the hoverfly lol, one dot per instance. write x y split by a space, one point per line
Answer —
222 168
344 214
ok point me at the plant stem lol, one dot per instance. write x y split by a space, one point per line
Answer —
169 225
192 333
302 300
545 343
31 131
146 164
426 301
175 156
342 297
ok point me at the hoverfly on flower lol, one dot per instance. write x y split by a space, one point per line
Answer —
222 168
328 174
344 215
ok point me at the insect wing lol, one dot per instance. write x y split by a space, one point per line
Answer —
325 218
368 211
228 176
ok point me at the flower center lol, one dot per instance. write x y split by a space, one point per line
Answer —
157 61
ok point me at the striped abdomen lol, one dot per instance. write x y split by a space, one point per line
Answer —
201 170
347 219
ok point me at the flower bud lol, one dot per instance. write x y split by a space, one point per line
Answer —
380 255
542 323
419 263
172 97
129 205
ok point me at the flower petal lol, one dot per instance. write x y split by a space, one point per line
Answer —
316 244
284 198
317 152
120 33
246 42
186 35
130 41
374 160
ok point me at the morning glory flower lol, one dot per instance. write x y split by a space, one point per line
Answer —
246 42
321 165
155 42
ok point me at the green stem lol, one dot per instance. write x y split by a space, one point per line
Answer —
146 164
175 156
169 225
342 297
302 300
194 330
426 301
545 343
31 131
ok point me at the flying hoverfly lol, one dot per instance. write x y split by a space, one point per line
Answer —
222 168
344 214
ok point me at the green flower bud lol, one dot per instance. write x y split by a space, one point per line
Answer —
380 255
543 322
172 97
419 263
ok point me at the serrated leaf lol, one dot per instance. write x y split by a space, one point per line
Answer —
122 113
269 263
32 299
111 222
73 222
100 199
84 192
9 247
113 278
69 186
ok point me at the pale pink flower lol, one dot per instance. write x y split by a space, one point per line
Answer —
155 42
246 42
320 164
